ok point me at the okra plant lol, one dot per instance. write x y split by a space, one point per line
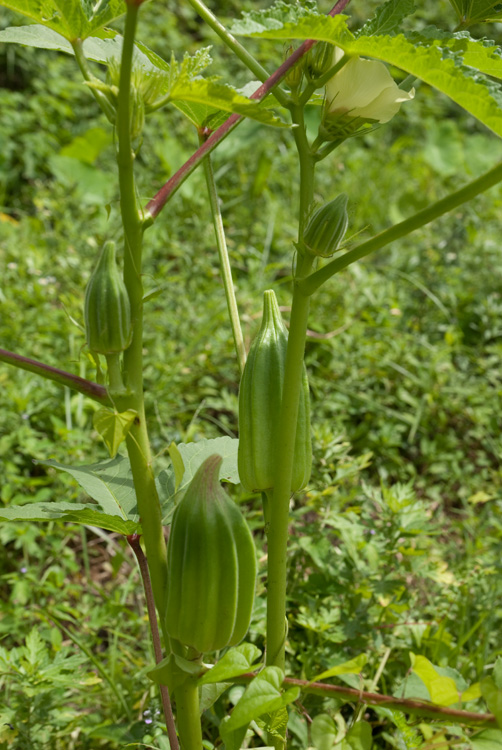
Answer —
200 587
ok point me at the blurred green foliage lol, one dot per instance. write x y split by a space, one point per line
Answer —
396 544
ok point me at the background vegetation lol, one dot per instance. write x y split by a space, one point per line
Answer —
395 547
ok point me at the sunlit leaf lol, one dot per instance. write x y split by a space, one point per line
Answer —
263 695
353 666
235 662
437 66
110 483
113 426
73 19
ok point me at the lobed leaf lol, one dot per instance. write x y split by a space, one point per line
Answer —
73 19
69 513
109 483
442 67
388 18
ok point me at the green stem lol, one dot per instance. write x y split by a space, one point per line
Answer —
114 373
236 47
88 75
226 270
278 505
188 715
307 164
86 387
420 219
137 441
277 536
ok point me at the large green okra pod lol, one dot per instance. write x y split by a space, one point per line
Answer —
260 399
211 566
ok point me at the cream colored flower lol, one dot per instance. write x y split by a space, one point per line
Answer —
365 89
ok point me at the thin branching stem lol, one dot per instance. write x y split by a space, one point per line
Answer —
159 200
135 544
86 387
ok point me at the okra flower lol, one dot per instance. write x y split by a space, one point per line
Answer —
362 90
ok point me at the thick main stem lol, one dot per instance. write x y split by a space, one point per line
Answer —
138 445
187 714
277 536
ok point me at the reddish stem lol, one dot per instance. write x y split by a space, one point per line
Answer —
87 387
135 544
157 203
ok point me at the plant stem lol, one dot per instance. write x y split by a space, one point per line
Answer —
114 373
226 270
188 715
86 387
237 48
137 441
406 705
134 543
159 200
420 219
278 506
87 74
277 536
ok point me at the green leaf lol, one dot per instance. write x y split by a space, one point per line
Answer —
488 739
110 483
388 18
69 513
209 694
105 46
222 97
235 662
481 54
274 724
193 455
442 689
323 732
434 65
353 666
232 738
274 17
493 698
470 12
263 695
497 672
113 426
73 19
178 465
359 737
173 671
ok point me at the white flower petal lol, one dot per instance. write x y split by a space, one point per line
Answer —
385 106
364 88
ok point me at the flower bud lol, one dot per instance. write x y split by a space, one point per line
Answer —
107 311
326 228
319 60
